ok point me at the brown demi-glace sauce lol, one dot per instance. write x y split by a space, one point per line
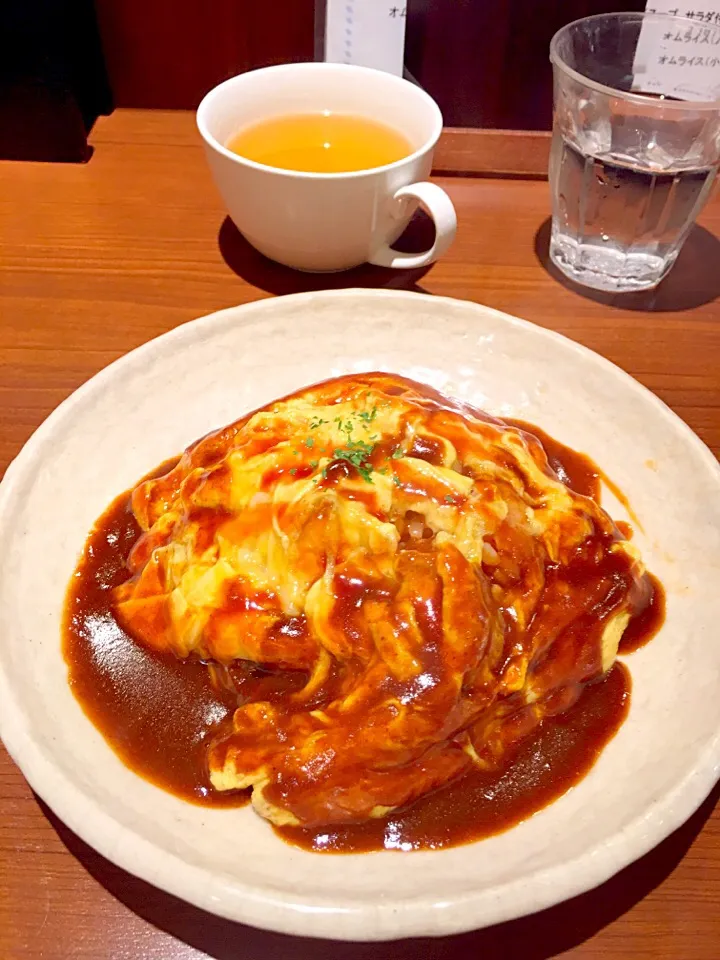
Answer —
160 714
579 473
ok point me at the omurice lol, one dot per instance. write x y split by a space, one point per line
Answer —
367 607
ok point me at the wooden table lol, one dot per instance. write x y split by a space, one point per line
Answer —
97 259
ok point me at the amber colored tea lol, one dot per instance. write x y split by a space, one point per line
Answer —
320 143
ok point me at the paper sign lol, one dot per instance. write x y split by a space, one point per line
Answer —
369 33
680 59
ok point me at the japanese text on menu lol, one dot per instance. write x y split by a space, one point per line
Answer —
370 33
683 59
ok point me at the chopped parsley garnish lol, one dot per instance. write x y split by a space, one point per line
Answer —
396 480
368 416
293 471
448 498
358 453
353 451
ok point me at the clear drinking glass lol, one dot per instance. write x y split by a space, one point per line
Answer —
629 172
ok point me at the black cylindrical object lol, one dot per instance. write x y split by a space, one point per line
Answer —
53 82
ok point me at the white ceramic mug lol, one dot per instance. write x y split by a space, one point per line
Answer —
327 221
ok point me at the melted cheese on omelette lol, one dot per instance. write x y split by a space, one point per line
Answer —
439 586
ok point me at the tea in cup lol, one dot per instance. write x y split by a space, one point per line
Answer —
322 165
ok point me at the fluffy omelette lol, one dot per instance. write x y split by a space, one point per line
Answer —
436 587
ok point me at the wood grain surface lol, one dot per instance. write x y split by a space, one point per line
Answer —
97 260
516 153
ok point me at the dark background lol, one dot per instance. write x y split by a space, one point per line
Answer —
65 62
53 82
484 61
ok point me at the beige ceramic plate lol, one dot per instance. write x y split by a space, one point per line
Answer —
153 402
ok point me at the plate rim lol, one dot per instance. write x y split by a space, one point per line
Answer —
249 903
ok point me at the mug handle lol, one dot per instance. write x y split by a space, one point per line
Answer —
438 205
